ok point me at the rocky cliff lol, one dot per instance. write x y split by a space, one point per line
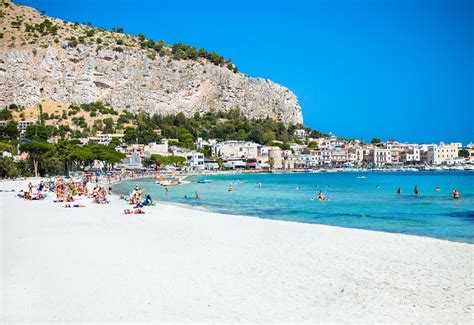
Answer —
42 57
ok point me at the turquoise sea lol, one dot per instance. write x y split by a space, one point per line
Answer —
356 199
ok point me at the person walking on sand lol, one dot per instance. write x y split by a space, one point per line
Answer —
416 190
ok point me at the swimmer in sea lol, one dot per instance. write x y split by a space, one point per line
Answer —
437 189
230 188
321 196
197 194
312 198
456 194
399 191
416 190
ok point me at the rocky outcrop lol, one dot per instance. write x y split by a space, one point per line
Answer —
132 79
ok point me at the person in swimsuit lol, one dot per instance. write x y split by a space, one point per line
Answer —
456 194
399 191
321 196
416 190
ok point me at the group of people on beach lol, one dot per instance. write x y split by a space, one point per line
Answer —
68 191
456 194
138 199
34 192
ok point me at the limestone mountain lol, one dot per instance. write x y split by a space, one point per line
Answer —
46 58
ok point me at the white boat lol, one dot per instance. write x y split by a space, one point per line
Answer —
167 183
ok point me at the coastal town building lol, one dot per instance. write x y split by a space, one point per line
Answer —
103 139
380 156
236 149
430 154
154 148
448 152
410 154
300 133
275 154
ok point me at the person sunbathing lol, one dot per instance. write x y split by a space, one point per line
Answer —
38 196
136 211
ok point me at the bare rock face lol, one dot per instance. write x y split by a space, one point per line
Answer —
130 78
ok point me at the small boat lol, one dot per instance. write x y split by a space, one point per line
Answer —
167 183
361 177
204 181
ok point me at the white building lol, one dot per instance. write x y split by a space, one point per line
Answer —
339 155
306 161
200 143
104 139
380 156
410 154
236 149
300 133
323 156
430 154
195 160
448 153
132 161
154 148
22 125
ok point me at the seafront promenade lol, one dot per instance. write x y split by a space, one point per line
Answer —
175 264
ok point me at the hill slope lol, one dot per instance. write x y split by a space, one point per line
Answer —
46 58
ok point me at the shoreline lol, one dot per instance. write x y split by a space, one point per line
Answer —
204 208
110 267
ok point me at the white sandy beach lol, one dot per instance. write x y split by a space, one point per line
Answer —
175 264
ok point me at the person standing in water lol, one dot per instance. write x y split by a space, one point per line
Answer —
437 189
230 188
416 190
321 196
166 191
399 191
197 194
456 194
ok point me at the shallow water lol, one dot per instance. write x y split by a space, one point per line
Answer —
354 202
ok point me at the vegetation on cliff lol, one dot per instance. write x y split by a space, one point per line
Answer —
116 38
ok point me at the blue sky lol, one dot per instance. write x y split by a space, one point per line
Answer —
391 69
